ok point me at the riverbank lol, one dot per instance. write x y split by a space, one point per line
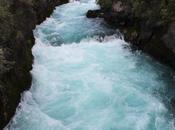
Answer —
82 82
18 18
148 26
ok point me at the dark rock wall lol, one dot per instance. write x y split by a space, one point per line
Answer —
148 25
18 18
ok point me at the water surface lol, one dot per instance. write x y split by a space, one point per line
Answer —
81 82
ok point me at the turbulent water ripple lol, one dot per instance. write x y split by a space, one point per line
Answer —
84 80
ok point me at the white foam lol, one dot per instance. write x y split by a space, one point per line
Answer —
90 85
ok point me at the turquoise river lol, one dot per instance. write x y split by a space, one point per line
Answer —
86 77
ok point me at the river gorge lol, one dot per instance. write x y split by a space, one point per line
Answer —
86 77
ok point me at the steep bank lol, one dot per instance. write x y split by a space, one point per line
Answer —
148 25
82 82
17 20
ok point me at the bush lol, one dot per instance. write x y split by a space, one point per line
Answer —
105 4
149 9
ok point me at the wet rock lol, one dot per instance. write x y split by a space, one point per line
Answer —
94 13
173 102
169 37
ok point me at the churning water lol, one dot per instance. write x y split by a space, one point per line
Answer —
81 82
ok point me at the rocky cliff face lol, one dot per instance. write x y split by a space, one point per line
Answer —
147 25
17 20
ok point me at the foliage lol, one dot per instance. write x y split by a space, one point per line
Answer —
149 9
105 3
29 2
4 10
6 21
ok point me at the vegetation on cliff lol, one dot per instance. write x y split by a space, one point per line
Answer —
154 9
148 25
18 18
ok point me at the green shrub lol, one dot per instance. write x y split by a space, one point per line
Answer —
6 21
106 4
149 9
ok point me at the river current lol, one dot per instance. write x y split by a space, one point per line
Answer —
85 77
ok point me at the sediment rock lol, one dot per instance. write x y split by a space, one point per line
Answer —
17 20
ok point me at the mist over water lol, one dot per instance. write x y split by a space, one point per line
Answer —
81 82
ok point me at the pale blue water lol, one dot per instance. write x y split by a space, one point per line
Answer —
80 83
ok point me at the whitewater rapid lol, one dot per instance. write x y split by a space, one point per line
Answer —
84 80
